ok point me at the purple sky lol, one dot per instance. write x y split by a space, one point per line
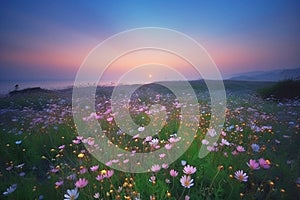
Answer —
48 40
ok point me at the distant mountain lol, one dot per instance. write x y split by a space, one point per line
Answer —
274 75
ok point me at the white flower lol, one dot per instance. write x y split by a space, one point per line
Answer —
71 194
10 190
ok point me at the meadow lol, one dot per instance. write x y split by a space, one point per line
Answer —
256 157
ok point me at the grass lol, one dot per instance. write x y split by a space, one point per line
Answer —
35 127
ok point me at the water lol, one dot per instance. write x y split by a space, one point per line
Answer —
7 86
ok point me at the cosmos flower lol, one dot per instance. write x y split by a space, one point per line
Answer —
155 168
240 149
18 142
96 195
186 181
189 170
71 194
173 173
165 166
10 189
94 168
81 183
241 176
59 183
264 163
109 173
253 164
224 142
255 147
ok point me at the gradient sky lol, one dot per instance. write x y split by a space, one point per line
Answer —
48 40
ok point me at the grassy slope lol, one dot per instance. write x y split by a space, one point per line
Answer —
40 142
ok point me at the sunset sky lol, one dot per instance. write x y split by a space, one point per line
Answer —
48 40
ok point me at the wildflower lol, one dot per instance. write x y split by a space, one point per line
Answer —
71 194
94 168
10 189
212 132
83 170
18 142
76 141
61 147
241 176
187 197
148 139
155 168
141 129
80 155
154 142
234 153
255 147
186 181
152 179
264 163
82 182
189 169
109 173
162 155
205 142
71 177
183 162
224 142
253 164
59 183
109 119
165 166
168 146
100 177
240 149
173 173
97 195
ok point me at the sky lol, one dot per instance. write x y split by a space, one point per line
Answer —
49 40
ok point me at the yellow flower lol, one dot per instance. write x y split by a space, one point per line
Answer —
81 155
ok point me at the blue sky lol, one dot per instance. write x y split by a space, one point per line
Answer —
38 39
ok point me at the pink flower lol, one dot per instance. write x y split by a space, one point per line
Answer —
241 176
94 168
109 173
59 183
186 181
61 147
187 197
189 169
83 170
100 177
168 146
155 168
173 173
109 119
165 166
264 163
234 153
82 182
253 164
162 155
240 149
76 141
152 179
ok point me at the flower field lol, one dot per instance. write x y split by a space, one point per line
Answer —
257 155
